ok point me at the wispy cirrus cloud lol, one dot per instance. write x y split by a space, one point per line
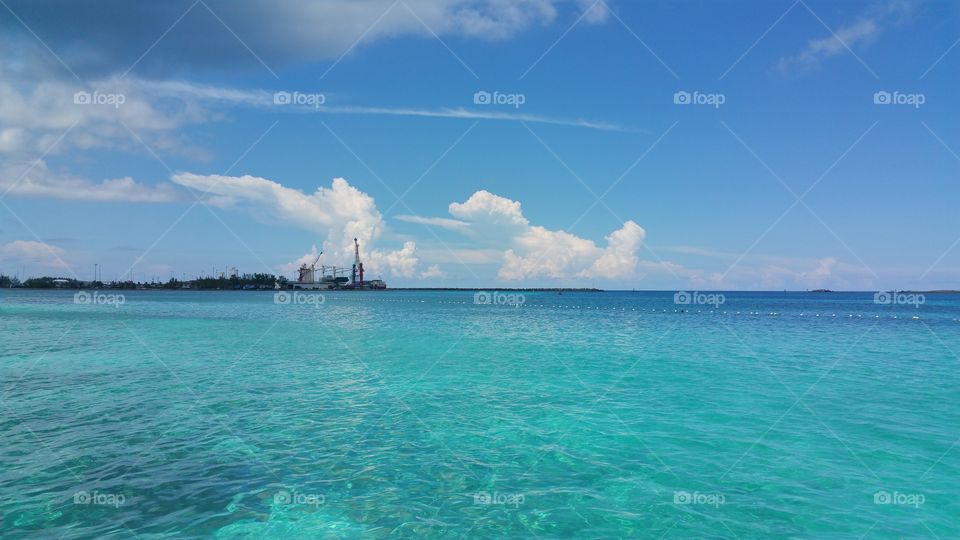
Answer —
32 117
446 223
471 114
847 38
265 99
817 50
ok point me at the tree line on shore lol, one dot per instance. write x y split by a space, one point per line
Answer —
246 281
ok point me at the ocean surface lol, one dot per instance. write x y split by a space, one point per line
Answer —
401 414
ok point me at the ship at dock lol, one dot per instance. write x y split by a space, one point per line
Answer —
336 277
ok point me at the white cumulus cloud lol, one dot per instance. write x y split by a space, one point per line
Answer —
595 11
37 180
340 212
34 253
620 257
433 272
307 259
534 251
402 262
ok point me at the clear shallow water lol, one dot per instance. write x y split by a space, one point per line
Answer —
419 414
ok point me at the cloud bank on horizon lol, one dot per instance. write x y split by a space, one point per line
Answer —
494 228
342 212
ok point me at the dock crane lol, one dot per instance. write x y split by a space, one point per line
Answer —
307 272
352 277
334 270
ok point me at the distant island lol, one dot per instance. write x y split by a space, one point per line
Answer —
245 282
904 291
938 291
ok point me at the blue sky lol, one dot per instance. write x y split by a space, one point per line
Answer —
444 191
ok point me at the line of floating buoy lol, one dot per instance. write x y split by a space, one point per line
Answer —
610 308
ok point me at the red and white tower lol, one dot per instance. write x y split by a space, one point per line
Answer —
357 265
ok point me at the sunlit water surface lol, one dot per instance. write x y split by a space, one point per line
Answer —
421 414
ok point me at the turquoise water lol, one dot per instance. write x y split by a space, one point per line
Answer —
419 414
